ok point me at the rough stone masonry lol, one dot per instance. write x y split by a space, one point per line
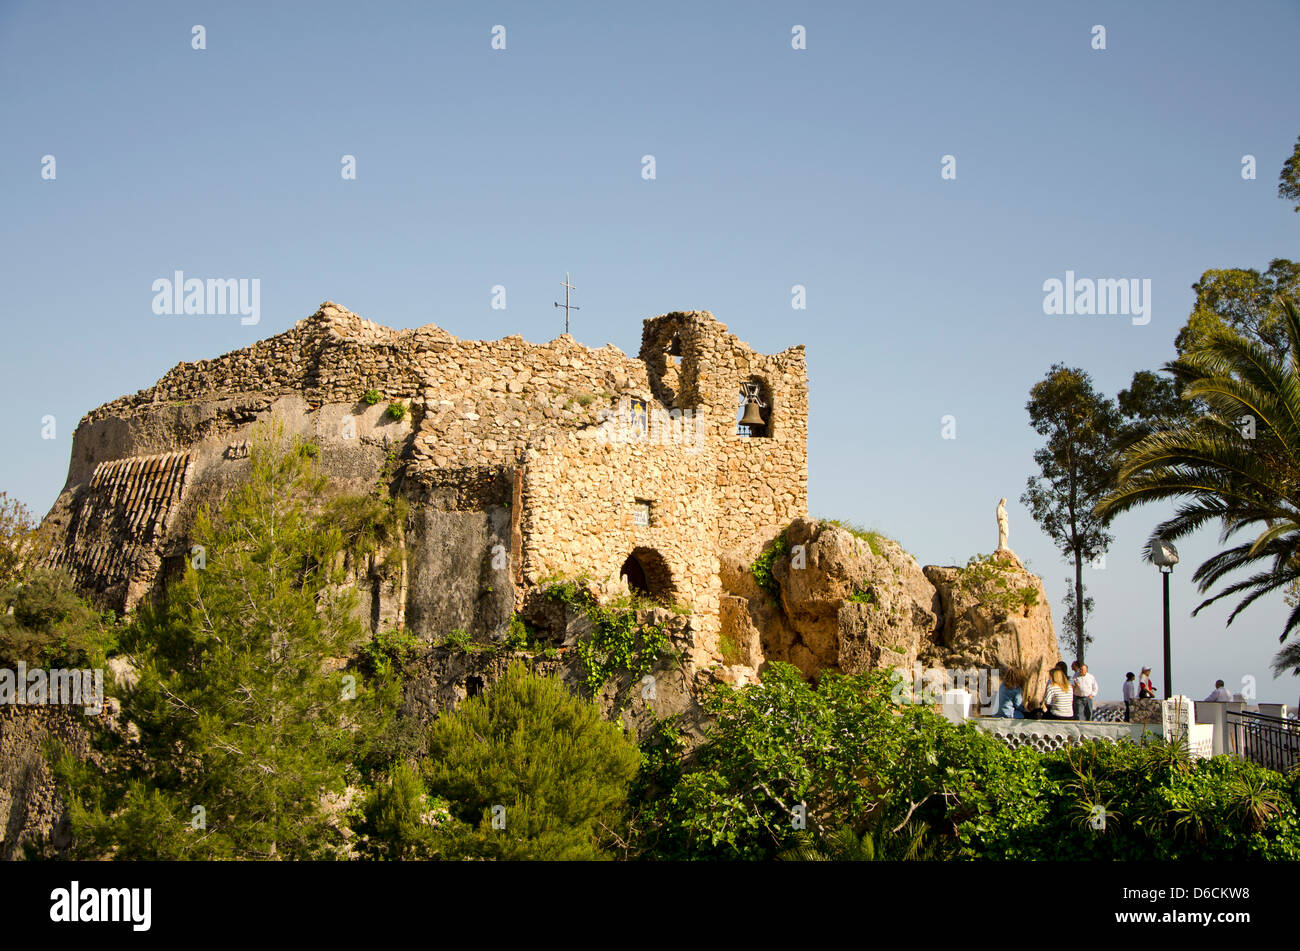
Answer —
521 462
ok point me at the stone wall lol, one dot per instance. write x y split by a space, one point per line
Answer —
580 502
32 815
762 481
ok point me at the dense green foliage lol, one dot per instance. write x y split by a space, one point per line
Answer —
843 750
44 623
1125 801
876 778
1244 302
530 771
246 725
622 641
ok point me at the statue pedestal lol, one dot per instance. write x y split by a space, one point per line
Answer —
1006 554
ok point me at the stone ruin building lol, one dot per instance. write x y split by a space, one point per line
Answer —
526 463
520 462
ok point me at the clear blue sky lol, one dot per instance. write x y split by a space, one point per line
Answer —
775 167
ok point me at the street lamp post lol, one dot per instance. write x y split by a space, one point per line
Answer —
1165 556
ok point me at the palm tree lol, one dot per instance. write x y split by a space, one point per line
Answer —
1238 464
908 843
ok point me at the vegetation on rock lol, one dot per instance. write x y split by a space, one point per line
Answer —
761 569
991 582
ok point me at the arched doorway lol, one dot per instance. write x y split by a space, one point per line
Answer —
647 574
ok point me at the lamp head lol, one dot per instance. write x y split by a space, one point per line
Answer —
1163 554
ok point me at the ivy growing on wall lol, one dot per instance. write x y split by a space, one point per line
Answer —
619 641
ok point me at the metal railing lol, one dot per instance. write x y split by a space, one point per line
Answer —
1272 742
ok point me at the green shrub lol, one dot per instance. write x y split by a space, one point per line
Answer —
372 397
386 649
459 639
761 569
538 760
843 749
1158 804
518 636
18 537
397 411
45 623
854 759
400 820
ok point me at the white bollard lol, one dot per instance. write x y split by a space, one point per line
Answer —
956 705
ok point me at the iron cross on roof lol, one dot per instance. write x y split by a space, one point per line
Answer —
566 305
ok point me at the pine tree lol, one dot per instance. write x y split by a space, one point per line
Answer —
247 720
538 770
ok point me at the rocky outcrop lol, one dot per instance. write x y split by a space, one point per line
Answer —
983 635
851 603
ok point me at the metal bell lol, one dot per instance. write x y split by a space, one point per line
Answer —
752 417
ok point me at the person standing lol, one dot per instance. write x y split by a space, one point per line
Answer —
1130 694
1085 691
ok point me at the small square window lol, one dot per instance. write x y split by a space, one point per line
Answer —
640 416
641 513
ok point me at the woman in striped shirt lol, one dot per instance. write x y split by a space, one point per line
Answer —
1058 701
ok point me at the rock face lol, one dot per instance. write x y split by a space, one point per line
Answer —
853 604
972 634
31 811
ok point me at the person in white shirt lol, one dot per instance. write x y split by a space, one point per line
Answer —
1221 694
1130 694
1085 689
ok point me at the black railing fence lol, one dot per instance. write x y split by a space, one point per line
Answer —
1273 742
